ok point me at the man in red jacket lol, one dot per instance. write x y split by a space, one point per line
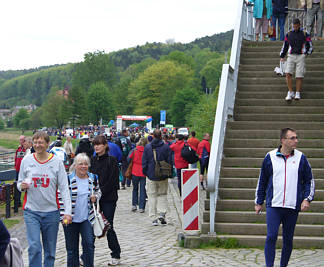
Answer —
20 153
203 152
193 143
179 162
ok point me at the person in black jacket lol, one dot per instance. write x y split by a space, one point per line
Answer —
106 168
157 189
85 146
279 12
4 240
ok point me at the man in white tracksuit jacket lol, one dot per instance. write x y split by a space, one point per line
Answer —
287 184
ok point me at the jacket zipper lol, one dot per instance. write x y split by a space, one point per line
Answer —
283 202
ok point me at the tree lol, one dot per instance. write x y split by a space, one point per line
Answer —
100 102
97 67
2 124
182 104
202 116
20 115
154 89
78 106
212 72
25 124
36 119
180 58
55 110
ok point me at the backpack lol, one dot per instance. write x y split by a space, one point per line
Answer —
189 154
125 146
14 255
162 169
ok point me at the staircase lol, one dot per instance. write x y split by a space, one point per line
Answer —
259 114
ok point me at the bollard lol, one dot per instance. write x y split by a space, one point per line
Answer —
16 197
7 188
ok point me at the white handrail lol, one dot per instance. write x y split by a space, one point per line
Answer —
225 104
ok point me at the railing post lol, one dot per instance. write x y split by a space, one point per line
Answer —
8 199
16 197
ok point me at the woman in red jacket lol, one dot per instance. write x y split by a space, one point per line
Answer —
203 151
179 162
138 177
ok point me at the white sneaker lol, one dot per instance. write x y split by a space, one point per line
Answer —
114 262
290 96
297 96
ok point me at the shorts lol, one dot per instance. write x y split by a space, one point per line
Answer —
261 25
203 165
299 61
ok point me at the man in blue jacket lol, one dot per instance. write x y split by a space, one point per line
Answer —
287 184
157 189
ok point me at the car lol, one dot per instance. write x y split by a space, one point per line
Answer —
183 131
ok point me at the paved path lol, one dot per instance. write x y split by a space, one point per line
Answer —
145 245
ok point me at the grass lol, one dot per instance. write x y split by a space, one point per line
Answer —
10 222
221 243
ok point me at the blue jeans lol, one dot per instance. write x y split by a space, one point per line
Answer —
281 25
142 182
72 233
45 223
108 209
288 218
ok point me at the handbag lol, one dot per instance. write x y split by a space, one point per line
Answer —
162 169
128 172
100 225
270 29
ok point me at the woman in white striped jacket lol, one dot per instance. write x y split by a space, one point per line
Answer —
84 189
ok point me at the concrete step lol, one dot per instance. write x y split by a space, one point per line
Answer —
252 162
271 143
249 193
279 117
278 95
275 54
271 49
278 110
312 218
274 61
276 125
308 80
261 152
254 44
254 172
282 87
307 242
261 229
272 74
271 134
270 68
279 102
248 205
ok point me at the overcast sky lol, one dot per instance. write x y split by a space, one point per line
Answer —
42 32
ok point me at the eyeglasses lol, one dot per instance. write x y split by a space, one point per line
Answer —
293 138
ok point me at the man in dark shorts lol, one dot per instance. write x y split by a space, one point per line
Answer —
203 151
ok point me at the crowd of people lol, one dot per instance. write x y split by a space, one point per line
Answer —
55 193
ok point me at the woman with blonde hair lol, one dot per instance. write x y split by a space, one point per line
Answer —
84 190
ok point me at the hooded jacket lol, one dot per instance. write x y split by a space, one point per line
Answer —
163 152
106 168
136 155
179 161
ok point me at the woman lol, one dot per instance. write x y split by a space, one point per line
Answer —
41 175
262 12
106 168
138 177
84 190
69 148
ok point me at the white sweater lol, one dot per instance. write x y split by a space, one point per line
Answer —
47 178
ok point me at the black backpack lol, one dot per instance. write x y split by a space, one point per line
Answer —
189 154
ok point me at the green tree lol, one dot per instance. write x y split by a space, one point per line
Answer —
100 104
154 89
78 106
182 104
20 115
96 67
202 116
212 72
25 124
55 110
2 124
36 119
180 58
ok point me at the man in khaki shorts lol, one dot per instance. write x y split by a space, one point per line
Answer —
298 44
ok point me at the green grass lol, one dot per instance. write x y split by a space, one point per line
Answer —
10 222
221 243
10 144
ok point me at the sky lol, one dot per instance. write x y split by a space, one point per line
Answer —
38 33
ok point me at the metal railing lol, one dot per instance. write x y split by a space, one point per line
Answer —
225 105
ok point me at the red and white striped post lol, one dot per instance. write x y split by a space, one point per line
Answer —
190 199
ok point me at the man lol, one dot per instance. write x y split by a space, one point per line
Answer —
279 12
315 8
42 174
298 44
126 147
20 153
203 152
287 184
157 189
